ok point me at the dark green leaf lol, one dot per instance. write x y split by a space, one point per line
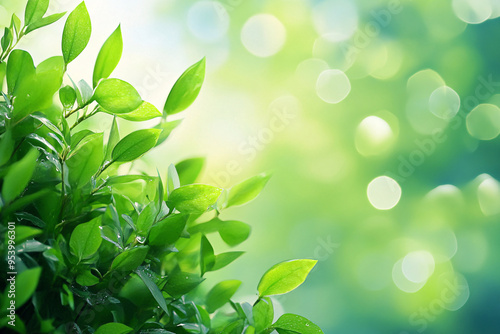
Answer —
7 146
247 190
113 328
76 34
130 259
108 57
86 279
86 239
291 323
194 198
117 96
167 231
19 175
189 170
85 160
24 233
263 314
146 219
186 89
153 288
135 145
285 277
221 294
26 283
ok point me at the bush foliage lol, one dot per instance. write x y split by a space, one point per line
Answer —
92 251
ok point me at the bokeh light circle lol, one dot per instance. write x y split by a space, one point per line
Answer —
335 20
418 266
488 195
472 11
333 86
403 283
263 35
384 193
208 20
444 102
483 122
373 136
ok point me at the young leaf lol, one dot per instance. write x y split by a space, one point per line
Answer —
130 259
146 219
145 112
113 328
189 170
167 231
18 176
76 33
153 288
35 10
86 91
234 232
291 323
43 22
224 259
172 179
117 96
26 283
85 239
85 160
263 314
108 57
247 190
19 67
185 89
135 145
6 38
194 198
67 95
180 283
285 277
221 294
166 129
207 256
15 22
114 138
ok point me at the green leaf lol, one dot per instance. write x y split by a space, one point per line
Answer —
285 277
291 323
221 294
117 96
87 279
207 256
144 112
19 175
234 232
166 129
235 327
247 190
113 328
194 198
180 283
35 10
167 231
146 219
85 239
172 179
85 160
114 138
76 34
86 92
19 67
67 95
43 22
6 39
130 259
79 136
3 71
153 288
185 89
7 146
224 259
26 283
189 170
15 22
24 233
108 57
263 314
135 145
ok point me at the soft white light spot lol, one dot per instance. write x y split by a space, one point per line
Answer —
472 11
333 86
402 282
418 266
336 20
384 193
263 35
488 194
483 122
373 136
208 20
444 102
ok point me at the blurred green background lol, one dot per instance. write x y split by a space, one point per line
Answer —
380 121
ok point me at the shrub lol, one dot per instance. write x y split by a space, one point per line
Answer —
88 250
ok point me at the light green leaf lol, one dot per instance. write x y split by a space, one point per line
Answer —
285 277
113 328
135 145
180 283
172 179
67 95
234 232
130 259
15 22
189 170
26 283
207 256
263 314
144 112
221 294
146 219
153 288
35 10
6 39
167 231
19 175
186 89
85 160
43 22
86 279
7 146
224 259
194 198
85 239
76 34
114 138
247 190
117 96
19 67
166 129
108 57
291 323
24 233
